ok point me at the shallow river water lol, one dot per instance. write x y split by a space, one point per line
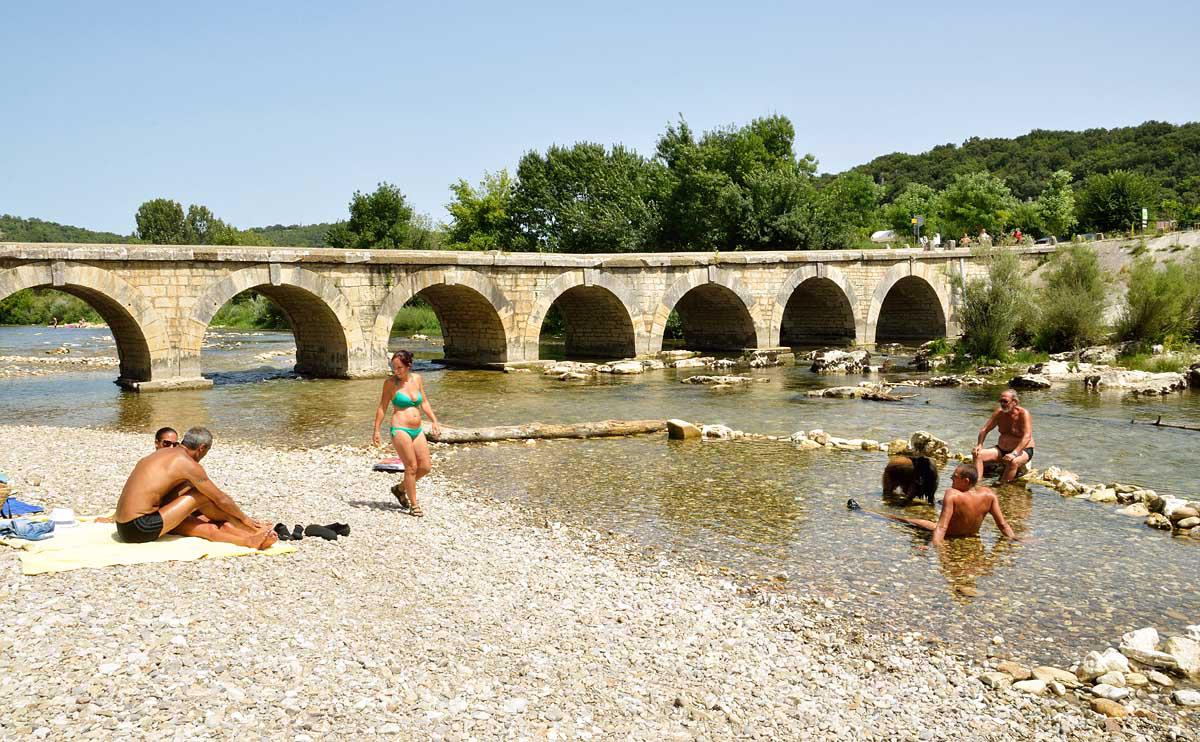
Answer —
1088 574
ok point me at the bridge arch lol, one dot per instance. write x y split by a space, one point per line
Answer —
816 305
472 310
599 310
716 311
329 337
910 304
143 348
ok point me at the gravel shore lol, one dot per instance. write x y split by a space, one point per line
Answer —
479 621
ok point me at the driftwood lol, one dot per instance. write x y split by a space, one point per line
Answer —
1158 423
548 430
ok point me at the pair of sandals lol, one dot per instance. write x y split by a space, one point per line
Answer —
329 532
402 497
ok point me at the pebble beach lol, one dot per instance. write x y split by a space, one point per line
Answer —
483 620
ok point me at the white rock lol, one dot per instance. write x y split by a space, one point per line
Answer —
1186 653
628 367
1114 678
1193 632
515 706
1153 658
1144 639
1156 677
1104 690
1187 698
1096 664
1034 686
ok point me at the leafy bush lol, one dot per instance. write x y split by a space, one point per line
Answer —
416 317
1156 304
993 307
1071 306
250 311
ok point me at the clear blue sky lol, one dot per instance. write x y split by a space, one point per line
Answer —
276 113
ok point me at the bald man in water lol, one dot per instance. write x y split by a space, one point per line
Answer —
169 492
963 509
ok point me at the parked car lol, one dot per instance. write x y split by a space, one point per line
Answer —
1047 241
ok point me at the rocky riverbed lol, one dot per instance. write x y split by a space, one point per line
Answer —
480 620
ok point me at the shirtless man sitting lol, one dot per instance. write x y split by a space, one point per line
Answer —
963 509
1015 447
169 492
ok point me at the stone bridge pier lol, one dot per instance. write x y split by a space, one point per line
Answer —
160 300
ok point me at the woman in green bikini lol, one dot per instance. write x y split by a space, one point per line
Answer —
405 391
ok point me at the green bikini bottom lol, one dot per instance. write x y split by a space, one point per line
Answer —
412 432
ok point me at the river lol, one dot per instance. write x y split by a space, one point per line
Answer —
758 508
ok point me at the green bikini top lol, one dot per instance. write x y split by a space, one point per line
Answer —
402 401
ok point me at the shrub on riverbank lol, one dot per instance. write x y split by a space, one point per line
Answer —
993 308
1071 303
416 317
1158 304
41 306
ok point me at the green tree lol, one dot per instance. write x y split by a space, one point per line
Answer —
586 199
993 308
480 216
977 201
1158 303
1114 201
379 220
1072 301
917 199
161 221
1056 206
738 188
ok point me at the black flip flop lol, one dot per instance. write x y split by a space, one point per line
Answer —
322 531
340 529
298 532
282 531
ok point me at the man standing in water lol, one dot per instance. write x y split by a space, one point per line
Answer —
1015 447
963 509
169 492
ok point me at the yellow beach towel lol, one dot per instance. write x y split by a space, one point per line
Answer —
93 545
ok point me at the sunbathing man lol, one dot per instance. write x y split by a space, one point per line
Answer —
169 492
965 506
165 438
1015 447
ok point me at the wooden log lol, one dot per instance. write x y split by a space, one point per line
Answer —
528 431
1158 423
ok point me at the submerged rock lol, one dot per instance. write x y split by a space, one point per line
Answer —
1159 521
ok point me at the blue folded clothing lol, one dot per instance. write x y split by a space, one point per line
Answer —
13 507
27 529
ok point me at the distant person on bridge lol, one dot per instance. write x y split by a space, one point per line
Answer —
1015 447
405 391
169 492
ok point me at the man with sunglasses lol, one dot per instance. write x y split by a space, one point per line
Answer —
169 492
1015 447
166 438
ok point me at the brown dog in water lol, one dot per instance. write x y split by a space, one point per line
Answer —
915 477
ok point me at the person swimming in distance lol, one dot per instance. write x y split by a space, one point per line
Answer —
964 507
405 391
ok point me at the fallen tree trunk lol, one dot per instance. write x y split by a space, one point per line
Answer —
548 430
1158 423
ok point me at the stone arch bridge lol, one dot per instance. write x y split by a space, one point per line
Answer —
159 300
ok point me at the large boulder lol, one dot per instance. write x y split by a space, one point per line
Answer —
1136 382
1029 381
1186 653
627 367
832 361
682 430
1144 639
926 444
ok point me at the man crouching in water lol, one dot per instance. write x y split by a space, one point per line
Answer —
169 492
963 509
